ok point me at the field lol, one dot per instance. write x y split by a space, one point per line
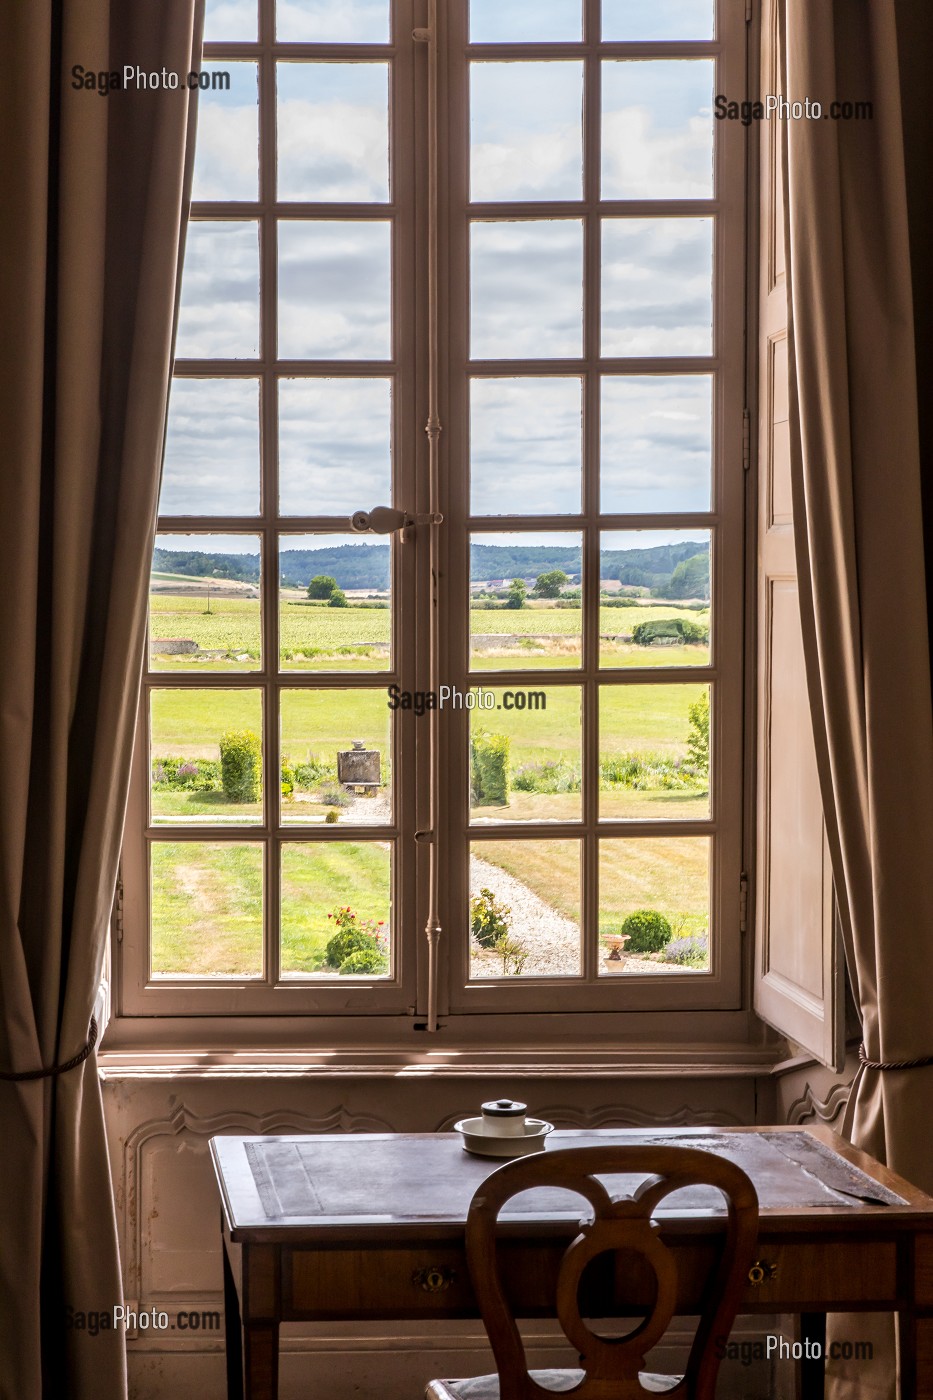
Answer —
207 896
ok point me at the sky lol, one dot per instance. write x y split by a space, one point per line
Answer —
334 300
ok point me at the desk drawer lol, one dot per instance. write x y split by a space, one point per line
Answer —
823 1275
376 1283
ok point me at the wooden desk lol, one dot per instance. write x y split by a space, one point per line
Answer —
370 1226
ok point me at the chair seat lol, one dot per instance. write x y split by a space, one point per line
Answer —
487 1387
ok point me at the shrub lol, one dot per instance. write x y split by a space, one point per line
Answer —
669 629
489 767
352 936
552 775
370 959
513 953
241 765
338 599
647 931
311 772
334 797
645 772
698 734
518 591
186 775
288 778
692 951
332 816
489 918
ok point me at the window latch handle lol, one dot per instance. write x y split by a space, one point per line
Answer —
385 520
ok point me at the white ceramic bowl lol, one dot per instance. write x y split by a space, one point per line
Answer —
484 1145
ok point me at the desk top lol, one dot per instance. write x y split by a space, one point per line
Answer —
351 1186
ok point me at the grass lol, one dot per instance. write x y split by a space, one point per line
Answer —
207 903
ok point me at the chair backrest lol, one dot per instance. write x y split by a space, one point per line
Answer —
610 1364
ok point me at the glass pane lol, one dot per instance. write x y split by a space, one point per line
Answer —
658 129
657 286
333 131
334 291
335 603
508 21
654 751
654 894
525 909
526 131
323 22
336 757
206 909
212 448
204 603
654 605
219 313
526 755
335 453
656 450
205 756
662 19
226 154
526 289
226 21
337 909
525 602
525 446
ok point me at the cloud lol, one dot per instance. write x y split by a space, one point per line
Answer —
219 313
656 443
350 22
226 157
657 286
526 131
212 448
334 290
525 446
334 445
333 131
228 20
511 265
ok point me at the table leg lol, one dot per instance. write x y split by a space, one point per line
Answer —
915 1354
233 1337
812 1375
261 1360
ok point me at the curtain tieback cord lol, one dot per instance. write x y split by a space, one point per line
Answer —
918 1063
57 1069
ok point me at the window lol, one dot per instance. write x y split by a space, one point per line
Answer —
567 294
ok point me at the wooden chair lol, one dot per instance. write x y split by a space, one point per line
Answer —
612 1368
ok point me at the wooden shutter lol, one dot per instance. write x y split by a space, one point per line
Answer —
798 987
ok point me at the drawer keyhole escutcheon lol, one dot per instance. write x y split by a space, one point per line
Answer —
761 1272
433 1279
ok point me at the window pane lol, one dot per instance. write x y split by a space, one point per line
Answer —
526 755
657 138
336 757
525 446
337 909
335 454
526 131
204 603
319 631
654 751
656 450
525 602
219 313
507 21
334 291
212 448
226 154
526 289
206 756
323 22
654 598
657 286
333 131
666 882
206 909
228 20
525 909
662 19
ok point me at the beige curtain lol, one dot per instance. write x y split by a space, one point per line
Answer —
92 221
858 521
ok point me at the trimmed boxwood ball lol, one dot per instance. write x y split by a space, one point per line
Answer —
345 942
647 931
364 960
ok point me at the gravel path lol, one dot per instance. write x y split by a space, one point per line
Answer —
553 941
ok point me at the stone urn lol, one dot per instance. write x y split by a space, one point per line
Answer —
613 961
